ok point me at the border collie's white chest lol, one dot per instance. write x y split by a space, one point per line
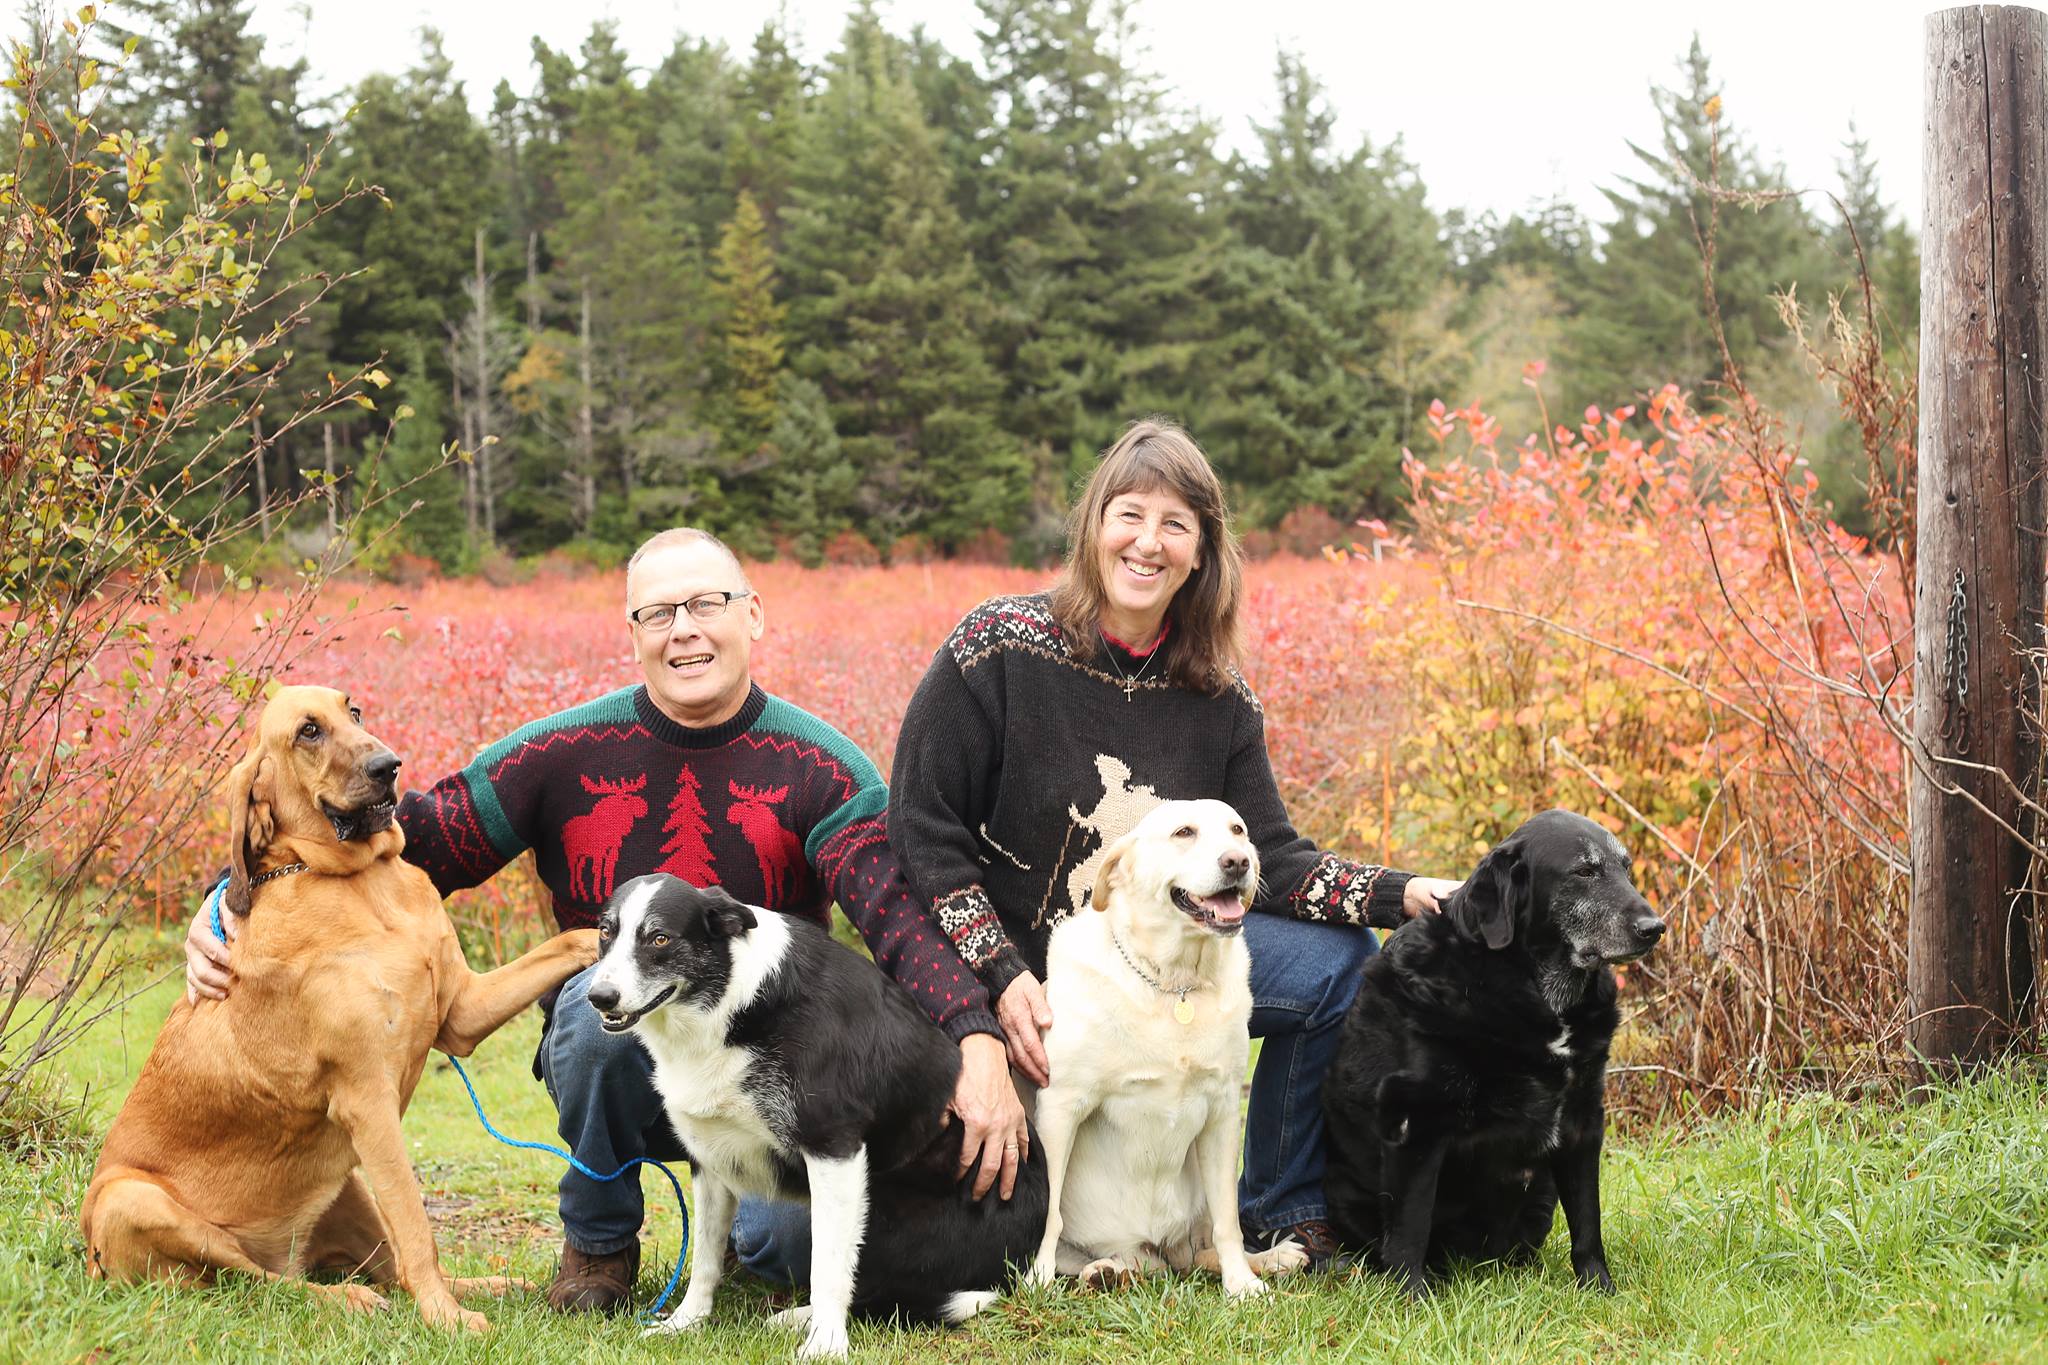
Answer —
718 1114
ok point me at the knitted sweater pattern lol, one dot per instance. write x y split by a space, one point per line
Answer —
1019 764
775 806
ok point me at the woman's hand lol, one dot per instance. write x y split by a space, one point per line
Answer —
986 1101
1425 895
206 957
1025 1016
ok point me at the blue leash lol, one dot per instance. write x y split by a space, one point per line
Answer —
682 1252
213 901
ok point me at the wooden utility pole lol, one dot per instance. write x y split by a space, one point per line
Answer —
1978 615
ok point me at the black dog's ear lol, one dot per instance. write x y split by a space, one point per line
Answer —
1406 1108
727 917
1493 899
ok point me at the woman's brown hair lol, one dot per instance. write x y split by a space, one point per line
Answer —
1154 455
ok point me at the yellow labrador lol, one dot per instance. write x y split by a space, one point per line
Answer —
1151 1005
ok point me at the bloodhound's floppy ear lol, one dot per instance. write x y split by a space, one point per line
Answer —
251 823
1492 900
1105 876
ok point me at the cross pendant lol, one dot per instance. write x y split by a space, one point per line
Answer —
1130 686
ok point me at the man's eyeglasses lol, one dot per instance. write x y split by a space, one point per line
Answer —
705 606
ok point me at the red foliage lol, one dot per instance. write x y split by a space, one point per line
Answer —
445 669
1665 631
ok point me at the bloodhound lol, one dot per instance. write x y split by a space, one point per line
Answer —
263 1133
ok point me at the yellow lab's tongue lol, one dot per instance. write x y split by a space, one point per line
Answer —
1225 906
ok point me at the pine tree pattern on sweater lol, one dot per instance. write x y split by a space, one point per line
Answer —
1020 763
775 806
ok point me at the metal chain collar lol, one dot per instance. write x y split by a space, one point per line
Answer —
275 873
1181 992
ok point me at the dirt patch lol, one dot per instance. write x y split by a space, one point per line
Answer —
461 1221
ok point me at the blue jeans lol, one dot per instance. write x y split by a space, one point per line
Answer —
608 1112
1304 976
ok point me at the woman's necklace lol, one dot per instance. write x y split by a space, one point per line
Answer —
1130 680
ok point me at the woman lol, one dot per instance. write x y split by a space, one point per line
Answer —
1048 725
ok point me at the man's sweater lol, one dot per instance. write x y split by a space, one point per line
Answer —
775 806
1019 764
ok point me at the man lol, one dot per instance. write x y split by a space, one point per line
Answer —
697 772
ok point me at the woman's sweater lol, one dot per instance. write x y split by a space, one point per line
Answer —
1019 764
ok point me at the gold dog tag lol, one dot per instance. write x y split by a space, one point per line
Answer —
1183 1012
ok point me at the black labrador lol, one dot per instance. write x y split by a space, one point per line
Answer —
1465 1098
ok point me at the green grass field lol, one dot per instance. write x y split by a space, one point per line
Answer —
1811 1230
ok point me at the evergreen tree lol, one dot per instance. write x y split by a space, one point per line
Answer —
199 82
690 112
412 248
1865 236
1318 369
1091 232
749 354
409 466
198 68
767 107
885 315
813 487
627 215
1890 250
414 136
1641 319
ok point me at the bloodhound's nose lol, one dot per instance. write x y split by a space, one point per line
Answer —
383 768
1233 863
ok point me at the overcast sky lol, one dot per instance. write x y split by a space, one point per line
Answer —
1499 104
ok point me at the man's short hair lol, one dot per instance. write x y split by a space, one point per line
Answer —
687 535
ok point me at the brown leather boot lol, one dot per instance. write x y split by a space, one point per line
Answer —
594 1284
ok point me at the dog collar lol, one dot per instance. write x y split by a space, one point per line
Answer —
220 890
1183 1012
275 873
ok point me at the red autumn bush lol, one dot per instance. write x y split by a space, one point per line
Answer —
1665 632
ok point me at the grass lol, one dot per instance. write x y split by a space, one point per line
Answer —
1808 1230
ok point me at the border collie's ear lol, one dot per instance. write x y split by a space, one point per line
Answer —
1105 876
1492 900
251 823
727 917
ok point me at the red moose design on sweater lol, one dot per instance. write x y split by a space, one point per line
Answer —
592 839
775 848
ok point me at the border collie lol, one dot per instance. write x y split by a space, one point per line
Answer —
793 1070
1465 1099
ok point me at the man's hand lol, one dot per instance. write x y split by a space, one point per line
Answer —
1025 1016
986 1101
206 957
1425 895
